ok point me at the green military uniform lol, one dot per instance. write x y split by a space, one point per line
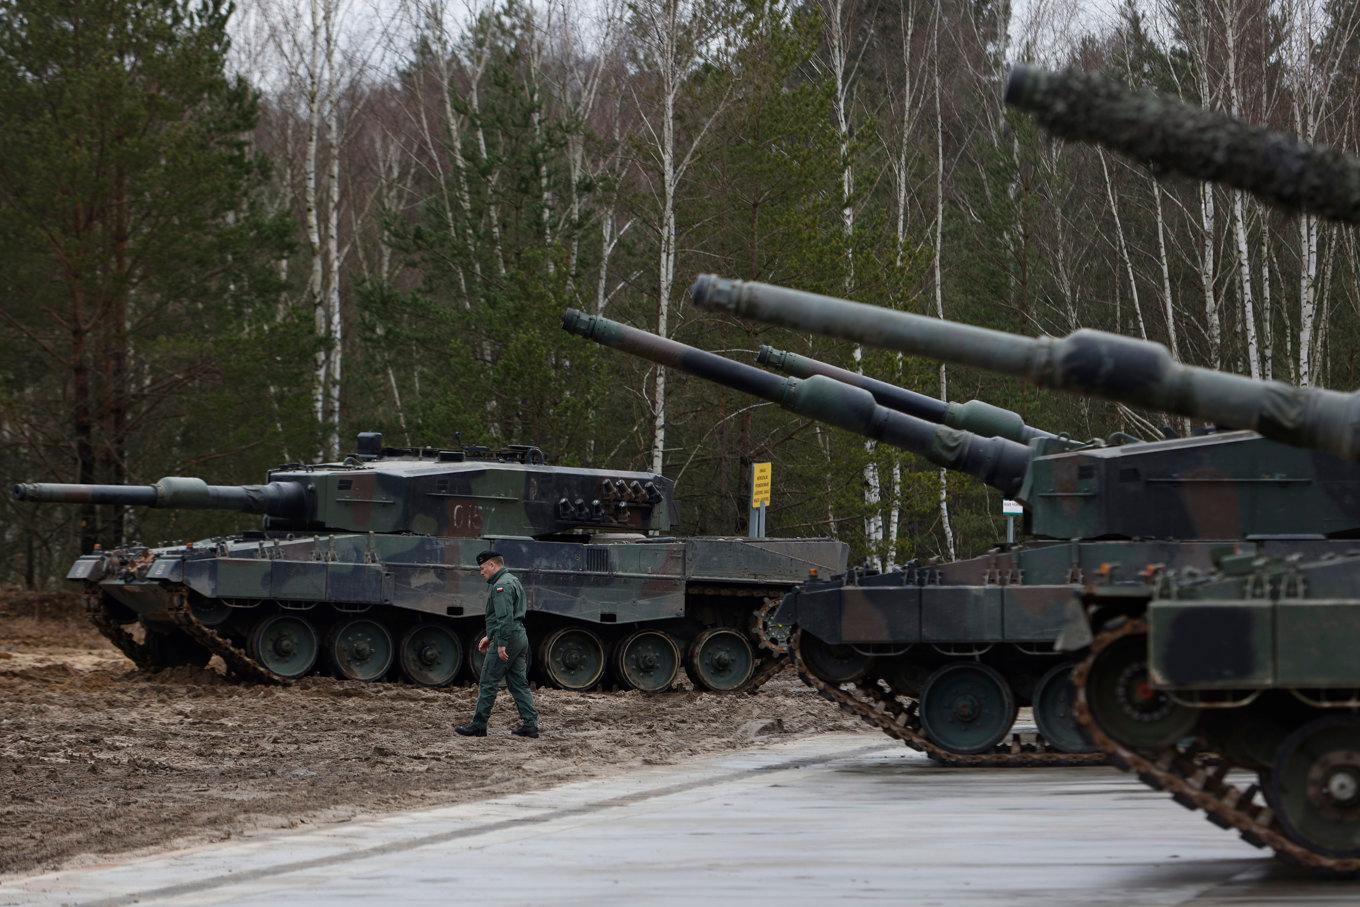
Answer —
505 607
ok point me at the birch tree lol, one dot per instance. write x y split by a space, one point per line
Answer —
1313 71
936 262
672 37
906 99
845 45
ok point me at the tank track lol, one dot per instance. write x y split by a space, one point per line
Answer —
1195 784
879 708
100 615
239 664
770 657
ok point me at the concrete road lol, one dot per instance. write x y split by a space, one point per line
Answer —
844 816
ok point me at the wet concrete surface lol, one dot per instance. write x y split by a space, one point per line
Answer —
838 816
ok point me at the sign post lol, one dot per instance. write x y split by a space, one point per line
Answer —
761 474
1010 510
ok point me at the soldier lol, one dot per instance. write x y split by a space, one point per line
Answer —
505 637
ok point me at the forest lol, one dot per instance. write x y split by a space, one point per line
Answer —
234 236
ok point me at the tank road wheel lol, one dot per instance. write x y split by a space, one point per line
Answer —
832 663
1124 704
285 644
210 612
720 660
967 707
359 649
1314 786
905 677
172 648
649 661
1053 699
430 655
475 658
573 658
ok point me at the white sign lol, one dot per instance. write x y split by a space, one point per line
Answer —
1012 508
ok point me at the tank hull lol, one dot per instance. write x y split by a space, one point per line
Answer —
608 589
890 634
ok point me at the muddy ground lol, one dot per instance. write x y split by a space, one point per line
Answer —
96 758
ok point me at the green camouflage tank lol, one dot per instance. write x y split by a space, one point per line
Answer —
366 568
1253 660
1239 657
941 655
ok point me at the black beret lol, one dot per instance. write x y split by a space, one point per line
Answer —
488 555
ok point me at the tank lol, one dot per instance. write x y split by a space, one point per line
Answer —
366 568
1175 137
1255 659
941 655
1205 672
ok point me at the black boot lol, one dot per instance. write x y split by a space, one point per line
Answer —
526 730
470 730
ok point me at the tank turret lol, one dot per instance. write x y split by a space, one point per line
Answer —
1175 137
998 462
977 416
1137 372
465 492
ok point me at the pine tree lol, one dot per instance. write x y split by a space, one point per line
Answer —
133 255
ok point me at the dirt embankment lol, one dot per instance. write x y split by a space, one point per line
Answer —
96 758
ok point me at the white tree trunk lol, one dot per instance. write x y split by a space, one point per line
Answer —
1207 210
493 176
1123 246
334 323
315 291
1168 309
938 273
1232 21
838 49
674 37
1308 304
531 87
436 32
1267 304
1206 276
666 52
1244 284
900 171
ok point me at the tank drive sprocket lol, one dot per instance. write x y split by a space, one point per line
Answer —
772 636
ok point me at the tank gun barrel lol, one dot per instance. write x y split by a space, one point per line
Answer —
976 416
1173 136
176 492
998 462
1137 372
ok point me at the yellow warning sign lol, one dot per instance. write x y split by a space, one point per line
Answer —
760 483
